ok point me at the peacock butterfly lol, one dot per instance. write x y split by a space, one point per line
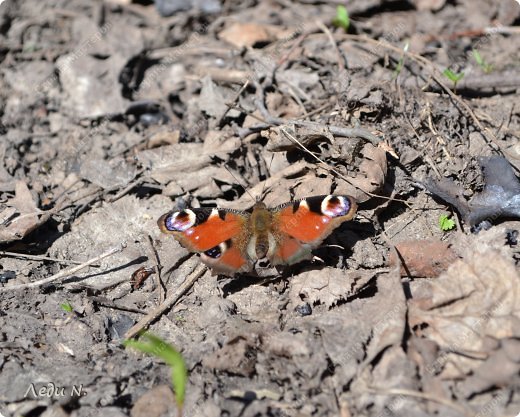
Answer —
233 241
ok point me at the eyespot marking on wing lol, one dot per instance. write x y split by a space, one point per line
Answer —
178 221
335 206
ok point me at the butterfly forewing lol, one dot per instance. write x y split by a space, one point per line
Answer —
202 229
312 219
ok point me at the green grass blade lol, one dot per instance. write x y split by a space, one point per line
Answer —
342 19
155 346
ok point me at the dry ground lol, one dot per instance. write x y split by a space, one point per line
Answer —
111 115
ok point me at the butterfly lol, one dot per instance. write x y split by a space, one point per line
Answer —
232 241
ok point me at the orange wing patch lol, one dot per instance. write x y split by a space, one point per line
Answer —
233 258
303 224
290 251
214 231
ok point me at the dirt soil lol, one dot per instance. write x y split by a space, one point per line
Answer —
113 113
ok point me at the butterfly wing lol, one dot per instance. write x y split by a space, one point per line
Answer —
302 225
217 234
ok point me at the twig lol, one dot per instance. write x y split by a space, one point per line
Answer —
168 303
491 30
41 258
230 105
128 188
504 79
339 57
102 301
416 394
348 132
158 269
64 273
293 47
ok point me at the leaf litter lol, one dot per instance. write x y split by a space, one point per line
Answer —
123 114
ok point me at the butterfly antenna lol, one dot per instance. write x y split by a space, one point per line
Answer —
238 182
265 182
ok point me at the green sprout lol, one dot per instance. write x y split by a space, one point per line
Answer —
342 20
487 68
154 345
400 64
445 223
453 76
67 307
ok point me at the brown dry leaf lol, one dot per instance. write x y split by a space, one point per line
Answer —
199 183
476 299
432 5
159 401
371 177
249 34
217 143
311 185
327 286
166 162
299 81
213 99
170 163
285 188
501 368
279 141
388 315
28 215
280 105
164 137
422 258
358 331
281 182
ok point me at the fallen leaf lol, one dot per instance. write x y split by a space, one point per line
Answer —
356 332
500 197
477 298
213 99
327 286
423 258
306 135
501 368
27 215
165 162
281 182
432 5
371 176
159 401
249 34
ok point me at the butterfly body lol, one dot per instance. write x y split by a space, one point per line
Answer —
233 241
